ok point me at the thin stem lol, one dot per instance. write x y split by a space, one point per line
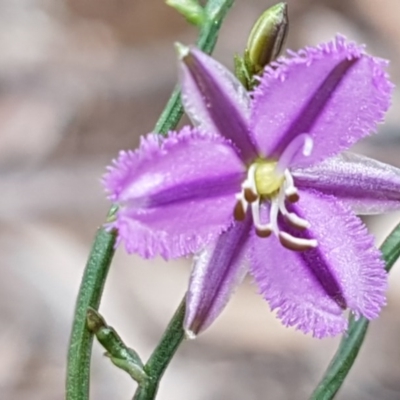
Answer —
162 355
98 264
90 291
119 353
215 12
174 334
351 343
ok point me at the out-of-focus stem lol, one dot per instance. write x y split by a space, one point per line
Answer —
350 345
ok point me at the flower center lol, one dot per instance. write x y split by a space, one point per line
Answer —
267 180
266 183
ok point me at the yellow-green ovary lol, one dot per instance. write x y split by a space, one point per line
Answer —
267 180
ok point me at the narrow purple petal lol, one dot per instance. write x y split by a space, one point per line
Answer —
217 271
335 93
175 195
310 288
366 185
216 101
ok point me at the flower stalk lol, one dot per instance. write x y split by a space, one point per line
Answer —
120 355
162 355
103 248
90 292
214 13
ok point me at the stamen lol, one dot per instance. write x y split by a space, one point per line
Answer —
296 244
277 189
296 221
303 143
290 189
273 215
262 230
290 217
239 212
249 195
250 182
263 233
292 196
289 182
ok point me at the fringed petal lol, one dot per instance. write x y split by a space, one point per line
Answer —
311 288
364 184
215 100
217 271
176 194
335 93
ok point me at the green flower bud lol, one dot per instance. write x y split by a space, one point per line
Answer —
266 38
190 9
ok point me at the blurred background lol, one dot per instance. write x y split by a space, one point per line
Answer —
82 79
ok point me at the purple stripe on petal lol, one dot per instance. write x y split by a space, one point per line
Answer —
175 195
310 288
366 185
315 106
289 287
319 267
195 190
335 93
217 271
216 101
347 249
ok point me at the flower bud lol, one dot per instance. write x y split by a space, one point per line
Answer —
190 9
266 38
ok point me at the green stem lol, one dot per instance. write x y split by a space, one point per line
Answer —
90 291
95 274
119 353
215 12
351 343
162 355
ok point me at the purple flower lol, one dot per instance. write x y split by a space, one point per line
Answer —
261 184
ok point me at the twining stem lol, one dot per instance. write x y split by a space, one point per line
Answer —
90 291
162 355
98 264
119 353
351 343
215 12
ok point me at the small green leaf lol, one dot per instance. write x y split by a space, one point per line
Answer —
190 9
